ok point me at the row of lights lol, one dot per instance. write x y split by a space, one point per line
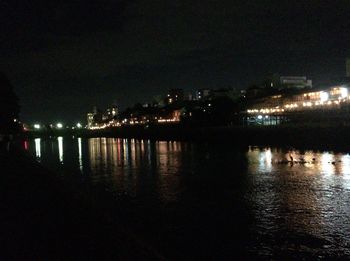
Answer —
167 120
58 126
131 122
323 100
266 110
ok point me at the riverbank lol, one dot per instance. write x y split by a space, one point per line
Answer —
43 217
324 137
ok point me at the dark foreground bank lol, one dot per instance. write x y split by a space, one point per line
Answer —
46 218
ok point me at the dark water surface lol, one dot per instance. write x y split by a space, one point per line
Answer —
215 201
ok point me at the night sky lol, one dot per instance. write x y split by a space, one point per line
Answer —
63 57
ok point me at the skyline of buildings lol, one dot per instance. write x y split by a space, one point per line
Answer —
177 95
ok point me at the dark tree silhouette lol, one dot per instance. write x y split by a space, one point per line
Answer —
9 108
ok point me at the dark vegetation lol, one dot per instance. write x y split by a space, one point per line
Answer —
9 106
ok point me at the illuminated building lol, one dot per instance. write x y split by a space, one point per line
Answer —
94 118
110 113
176 115
275 83
90 120
202 94
297 82
171 115
174 95
334 100
210 94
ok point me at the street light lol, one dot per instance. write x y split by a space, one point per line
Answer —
79 125
59 125
37 126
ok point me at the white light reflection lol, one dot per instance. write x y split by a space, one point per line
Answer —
126 150
38 148
265 159
80 155
260 159
268 156
310 159
60 149
326 163
346 166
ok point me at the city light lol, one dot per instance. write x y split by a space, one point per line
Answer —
266 110
167 120
343 92
307 101
37 126
324 96
59 125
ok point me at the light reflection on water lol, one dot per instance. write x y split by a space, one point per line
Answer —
308 197
265 160
80 155
37 148
122 160
60 149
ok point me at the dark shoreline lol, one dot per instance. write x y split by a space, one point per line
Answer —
318 137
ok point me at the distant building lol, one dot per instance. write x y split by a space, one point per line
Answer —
174 95
202 94
172 116
328 98
189 97
231 93
257 91
94 118
95 110
177 115
296 82
308 106
348 67
110 113
90 120
209 94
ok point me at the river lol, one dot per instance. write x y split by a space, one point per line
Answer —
215 201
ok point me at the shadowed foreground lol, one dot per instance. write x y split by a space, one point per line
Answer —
42 219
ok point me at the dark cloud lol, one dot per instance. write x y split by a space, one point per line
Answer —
66 56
